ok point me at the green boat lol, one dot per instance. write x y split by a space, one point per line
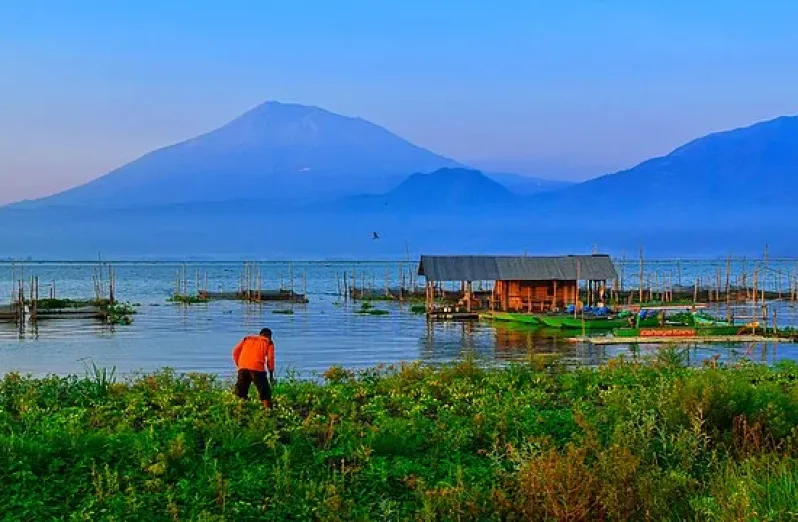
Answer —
702 319
593 322
678 331
512 317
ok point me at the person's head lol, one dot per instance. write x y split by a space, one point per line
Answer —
266 333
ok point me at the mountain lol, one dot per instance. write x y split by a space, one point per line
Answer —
729 192
447 189
746 172
527 185
274 151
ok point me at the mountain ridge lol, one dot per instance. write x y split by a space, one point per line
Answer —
273 149
728 191
754 165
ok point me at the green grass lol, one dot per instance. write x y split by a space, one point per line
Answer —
627 441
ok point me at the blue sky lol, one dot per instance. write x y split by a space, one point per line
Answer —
561 88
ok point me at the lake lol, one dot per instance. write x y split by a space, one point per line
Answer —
324 332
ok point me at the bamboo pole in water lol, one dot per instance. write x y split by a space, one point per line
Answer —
291 278
728 290
755 293
260 284
695 292
32 299
641 275
578 277
623 273
13 282
670 287
728 278
111 285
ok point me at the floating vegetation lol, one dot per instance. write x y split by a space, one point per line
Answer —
626 441
61 304
418 309
120 313
188 299
366 308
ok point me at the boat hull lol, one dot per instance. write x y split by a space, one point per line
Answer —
511 317
592 323
677 331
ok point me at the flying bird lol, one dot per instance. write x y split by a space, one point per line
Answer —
374 236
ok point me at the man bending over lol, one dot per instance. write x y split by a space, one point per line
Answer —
252 355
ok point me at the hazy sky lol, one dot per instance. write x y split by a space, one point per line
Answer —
559 87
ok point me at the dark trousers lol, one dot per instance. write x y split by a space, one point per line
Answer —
247 377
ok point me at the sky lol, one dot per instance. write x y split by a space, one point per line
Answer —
566 89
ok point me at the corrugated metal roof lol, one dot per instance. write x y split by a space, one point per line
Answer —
516 268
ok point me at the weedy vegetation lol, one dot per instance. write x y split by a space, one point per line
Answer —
366 308
120 313
532 441
188 299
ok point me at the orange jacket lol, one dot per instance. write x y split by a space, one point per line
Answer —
254 352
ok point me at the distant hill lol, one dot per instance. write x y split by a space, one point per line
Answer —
276 150
447 189
527 185
725 175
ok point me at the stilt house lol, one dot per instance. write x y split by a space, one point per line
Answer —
523 283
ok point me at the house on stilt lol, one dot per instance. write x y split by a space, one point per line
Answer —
519 283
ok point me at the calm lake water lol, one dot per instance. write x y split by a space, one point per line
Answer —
324 332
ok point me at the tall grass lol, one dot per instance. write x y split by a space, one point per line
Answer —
627 441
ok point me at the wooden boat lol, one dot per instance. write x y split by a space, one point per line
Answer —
679 331
511 317
594 322
701 319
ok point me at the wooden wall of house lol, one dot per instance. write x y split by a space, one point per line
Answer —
521 296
